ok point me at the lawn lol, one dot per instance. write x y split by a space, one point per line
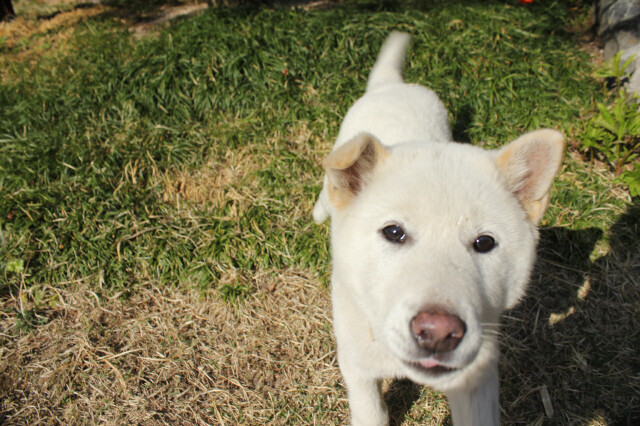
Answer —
158 260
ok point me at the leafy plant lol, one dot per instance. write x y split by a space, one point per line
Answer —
613 72
631 178
615 131
29 320
613 134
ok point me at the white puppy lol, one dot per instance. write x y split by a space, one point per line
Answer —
432 240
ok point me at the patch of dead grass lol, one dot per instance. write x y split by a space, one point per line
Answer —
26 38
42 26
162 356
230 177
23 27
213 183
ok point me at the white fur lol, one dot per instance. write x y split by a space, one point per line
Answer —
394 163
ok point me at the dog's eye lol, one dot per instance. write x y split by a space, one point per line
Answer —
394 234
484 244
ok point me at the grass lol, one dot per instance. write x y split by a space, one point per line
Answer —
158 262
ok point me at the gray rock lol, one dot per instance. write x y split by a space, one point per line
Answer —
627 39
633 86
634 67
619 27
610 48
617 14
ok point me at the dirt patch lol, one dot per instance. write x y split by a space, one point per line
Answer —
164 15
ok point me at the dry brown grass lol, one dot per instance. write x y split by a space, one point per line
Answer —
231 176
27 38
159 356
44 26
215 183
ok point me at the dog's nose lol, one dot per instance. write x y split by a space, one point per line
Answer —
437 331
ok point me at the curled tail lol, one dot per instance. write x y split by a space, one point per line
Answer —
388 67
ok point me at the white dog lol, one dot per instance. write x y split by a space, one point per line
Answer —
432 240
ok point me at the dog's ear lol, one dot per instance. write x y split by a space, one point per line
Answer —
349 167
529 165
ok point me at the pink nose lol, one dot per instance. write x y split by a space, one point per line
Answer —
437 331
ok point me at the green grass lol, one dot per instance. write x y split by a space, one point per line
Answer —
191 158
87 132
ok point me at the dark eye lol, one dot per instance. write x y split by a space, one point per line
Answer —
394 233
484 244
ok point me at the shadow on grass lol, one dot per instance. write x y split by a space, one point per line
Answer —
400 397
138 9
577 333
460 127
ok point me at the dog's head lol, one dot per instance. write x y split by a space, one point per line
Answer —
436 240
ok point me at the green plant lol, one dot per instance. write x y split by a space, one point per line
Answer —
631 178
613 133
15 266
28 320
613 72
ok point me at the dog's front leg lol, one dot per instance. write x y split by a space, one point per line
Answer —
365 398
479 406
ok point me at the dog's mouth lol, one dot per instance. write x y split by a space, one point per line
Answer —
431 366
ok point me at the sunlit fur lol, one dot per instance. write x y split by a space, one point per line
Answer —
444 195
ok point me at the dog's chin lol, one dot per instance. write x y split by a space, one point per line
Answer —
446 376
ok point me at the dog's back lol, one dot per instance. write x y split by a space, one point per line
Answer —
391 110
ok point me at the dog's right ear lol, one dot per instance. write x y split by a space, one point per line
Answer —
349 167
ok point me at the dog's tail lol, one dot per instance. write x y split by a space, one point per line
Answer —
388 67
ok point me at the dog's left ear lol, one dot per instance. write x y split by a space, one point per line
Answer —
529 165
349 167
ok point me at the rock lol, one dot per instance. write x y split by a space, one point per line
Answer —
610 48
618 13
635 65
618 23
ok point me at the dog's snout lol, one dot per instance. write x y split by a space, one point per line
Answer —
437 331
